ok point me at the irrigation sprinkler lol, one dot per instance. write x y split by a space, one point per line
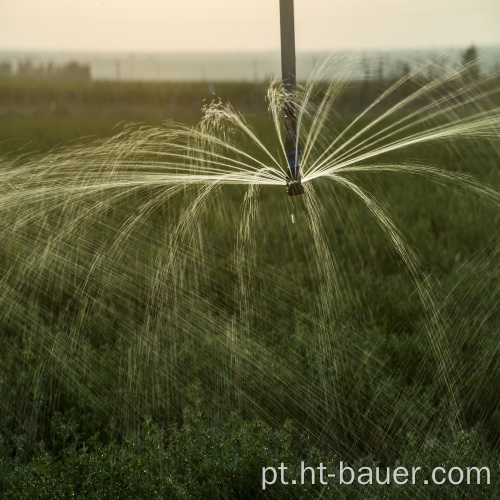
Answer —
289 79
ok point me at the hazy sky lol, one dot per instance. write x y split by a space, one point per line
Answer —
237 25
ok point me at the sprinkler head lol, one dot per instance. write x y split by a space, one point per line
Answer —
294 188
293 181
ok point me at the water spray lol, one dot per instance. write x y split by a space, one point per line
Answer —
289 79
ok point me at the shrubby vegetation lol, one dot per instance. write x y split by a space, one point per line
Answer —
199 460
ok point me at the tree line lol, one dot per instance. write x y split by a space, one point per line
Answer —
71 70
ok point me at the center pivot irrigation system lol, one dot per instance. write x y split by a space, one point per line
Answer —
289 79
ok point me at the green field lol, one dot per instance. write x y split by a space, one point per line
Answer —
169 341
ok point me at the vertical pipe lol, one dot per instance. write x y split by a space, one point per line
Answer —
289 79
288 73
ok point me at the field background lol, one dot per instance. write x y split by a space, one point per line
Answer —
56 440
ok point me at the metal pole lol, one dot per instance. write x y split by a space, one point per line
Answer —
288 73
289 79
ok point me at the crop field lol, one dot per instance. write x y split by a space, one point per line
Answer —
168 328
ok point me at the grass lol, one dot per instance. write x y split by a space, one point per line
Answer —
98 403
40 115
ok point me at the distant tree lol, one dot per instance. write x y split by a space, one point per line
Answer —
470 64
25 68
5 68
405 69
380 71
366 69
432 68
73 71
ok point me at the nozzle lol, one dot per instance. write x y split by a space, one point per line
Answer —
294 188
294 185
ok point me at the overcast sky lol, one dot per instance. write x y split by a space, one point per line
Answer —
237 25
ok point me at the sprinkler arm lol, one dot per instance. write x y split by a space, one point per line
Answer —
289 79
